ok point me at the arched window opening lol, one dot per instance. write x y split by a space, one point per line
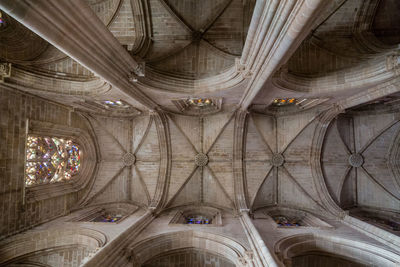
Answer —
108 218
315 259
115 104
50 160
284 221
201 215
198 219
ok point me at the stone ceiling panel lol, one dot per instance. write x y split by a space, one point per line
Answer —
115 191
199 38
111 147
214 125
289 127
292 195
105 9
180 173
149 172
189 193
191 127
257 148
371 195
108 171
367 127
302 173
140 126
181 146
261 184
139 192
222 171
377 162
214 192
149 150
222 148
197 13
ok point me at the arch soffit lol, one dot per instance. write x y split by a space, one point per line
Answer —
23 245
297 245
85 139
157 245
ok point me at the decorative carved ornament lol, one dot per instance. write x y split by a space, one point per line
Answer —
356 160
242 69
5 70
277 160
393 63
138 71
129 159
201 159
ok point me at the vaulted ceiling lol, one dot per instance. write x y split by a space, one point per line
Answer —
247 155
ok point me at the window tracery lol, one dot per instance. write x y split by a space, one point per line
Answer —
50 160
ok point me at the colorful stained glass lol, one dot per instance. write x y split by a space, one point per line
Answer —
200 102
198 219
107 218
50 159
284 101
285 222
115 104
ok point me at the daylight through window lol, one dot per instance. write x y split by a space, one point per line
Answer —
50 160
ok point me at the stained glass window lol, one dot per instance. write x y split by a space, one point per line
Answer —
107 218
1 19
284 101
50 160
115 104
285 222
200 102
198 219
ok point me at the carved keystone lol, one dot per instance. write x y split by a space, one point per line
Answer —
356 160
201 159
129 159
277 160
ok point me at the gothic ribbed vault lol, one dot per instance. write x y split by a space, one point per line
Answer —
225 132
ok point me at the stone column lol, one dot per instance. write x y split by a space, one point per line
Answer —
280 27
261 254
114 253
74 28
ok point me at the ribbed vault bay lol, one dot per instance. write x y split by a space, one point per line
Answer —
196 39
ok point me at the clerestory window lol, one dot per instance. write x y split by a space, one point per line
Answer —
198 219
50 160
283 221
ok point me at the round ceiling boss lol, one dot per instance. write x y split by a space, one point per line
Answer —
277 160
129 159
356 160
201 159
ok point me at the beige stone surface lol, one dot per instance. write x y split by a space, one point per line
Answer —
330 163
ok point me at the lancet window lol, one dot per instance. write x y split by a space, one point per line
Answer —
50 160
